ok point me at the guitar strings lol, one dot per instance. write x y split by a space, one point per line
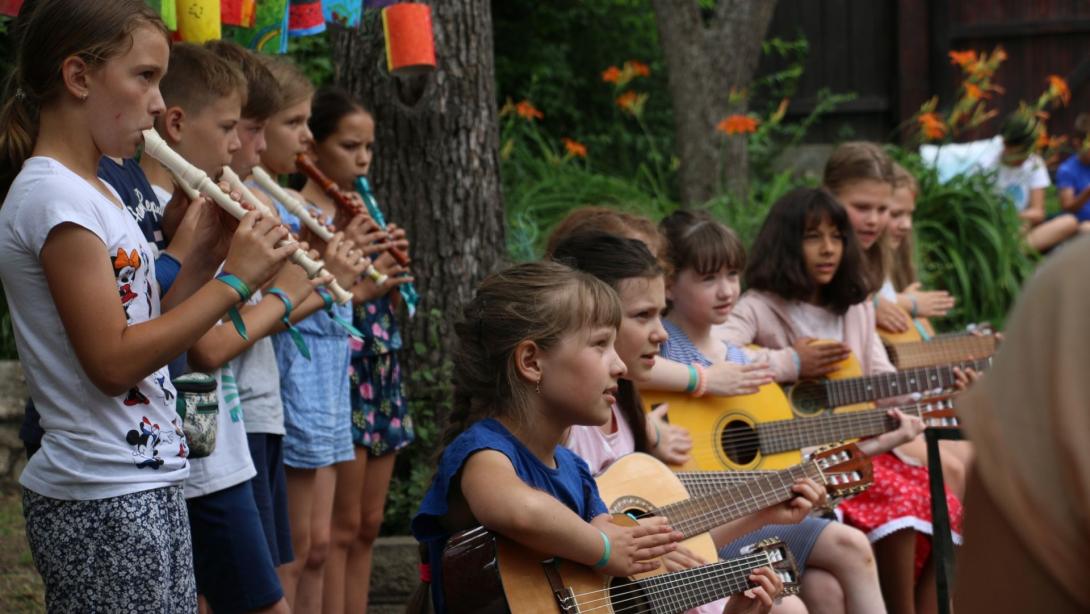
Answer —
678 580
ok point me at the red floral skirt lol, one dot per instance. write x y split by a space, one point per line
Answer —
899 498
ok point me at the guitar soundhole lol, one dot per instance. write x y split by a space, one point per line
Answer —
808 398
739 442
627 596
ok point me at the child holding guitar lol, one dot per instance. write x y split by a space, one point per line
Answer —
805 281
706 259
629 268
535 357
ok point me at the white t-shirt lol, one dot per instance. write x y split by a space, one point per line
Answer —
816 322
230 462
95 446
1017 181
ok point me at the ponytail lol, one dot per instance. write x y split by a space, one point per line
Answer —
18 132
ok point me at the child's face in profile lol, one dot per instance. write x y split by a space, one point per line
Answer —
286 136
579 377
210 137
900 216
251 138
867 203
642 302
123 97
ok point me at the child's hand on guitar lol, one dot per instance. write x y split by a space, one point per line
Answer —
963 378
635 549
818 359
932 303
808 496
670 444
891 317
909 427
728 379
681 559
757 600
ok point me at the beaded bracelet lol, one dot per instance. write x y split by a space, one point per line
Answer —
244 294
293 332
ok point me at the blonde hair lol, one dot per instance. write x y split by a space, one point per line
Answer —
49 32
860 161
900 262
198 78
294 85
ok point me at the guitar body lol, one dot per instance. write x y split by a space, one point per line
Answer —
919 330
722 428
807 396
637 484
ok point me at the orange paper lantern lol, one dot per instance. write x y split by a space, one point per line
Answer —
410 46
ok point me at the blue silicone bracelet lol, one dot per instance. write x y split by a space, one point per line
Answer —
606 553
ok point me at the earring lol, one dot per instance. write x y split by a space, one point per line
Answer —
83 97
537 387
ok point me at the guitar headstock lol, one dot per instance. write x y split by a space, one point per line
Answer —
845 470
780 560
938 412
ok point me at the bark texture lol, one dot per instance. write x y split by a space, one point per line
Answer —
708 55
436 167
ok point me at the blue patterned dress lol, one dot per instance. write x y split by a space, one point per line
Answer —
380 413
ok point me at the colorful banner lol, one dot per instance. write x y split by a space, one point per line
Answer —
344 12
306 18
269 33
378 4
199 20
10 7
238 12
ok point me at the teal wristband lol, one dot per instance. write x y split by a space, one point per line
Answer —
658 436
244 294
915 308
352 330
296 336
694 380
602 562
795 359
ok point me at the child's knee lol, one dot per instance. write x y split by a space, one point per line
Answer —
851 546
319 548
369 528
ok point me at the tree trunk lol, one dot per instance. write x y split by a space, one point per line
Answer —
436 170
707 59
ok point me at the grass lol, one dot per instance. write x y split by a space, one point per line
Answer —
20 586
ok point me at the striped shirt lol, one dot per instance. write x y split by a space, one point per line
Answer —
679 348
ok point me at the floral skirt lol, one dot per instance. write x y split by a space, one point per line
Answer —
899 498
380 413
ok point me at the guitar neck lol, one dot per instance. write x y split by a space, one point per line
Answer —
700 483
852 391
700 514
786 435
944 349
684 590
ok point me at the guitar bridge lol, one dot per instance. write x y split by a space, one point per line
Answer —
565 597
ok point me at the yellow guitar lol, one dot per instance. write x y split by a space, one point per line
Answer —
484 573
641 485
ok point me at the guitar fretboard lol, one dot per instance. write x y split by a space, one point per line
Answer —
699 514
796 434
944 349
685 590
855 390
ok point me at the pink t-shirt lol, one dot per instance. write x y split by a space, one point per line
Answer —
601 450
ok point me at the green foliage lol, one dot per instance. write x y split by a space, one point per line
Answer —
313 56
429 404
969 242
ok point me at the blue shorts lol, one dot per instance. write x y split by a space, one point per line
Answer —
230 555
271 494
800 539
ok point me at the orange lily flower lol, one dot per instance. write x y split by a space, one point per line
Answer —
737 124
528 111
611 74
575 148
963 59
638 68
932 126
626 100
1057 86
973 92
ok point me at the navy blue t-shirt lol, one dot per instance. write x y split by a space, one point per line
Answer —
571 483
1075 175
132 184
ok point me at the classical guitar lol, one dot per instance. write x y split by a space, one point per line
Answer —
762 431
484 573
919 330
641 485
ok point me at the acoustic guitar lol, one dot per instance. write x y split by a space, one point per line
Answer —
919 346
920 329
641 485
484 573
763 431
